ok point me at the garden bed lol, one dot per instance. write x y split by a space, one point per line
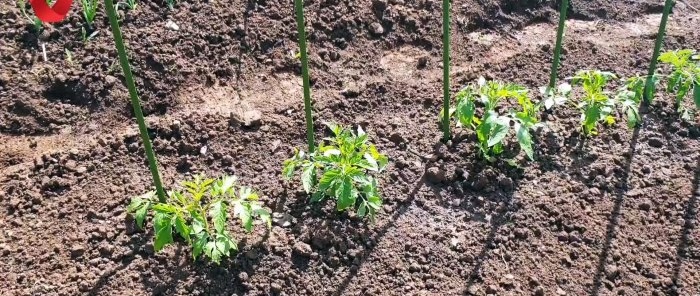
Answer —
612 215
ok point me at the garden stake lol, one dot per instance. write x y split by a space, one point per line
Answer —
299 7
124 61
446 68
649 84
557 47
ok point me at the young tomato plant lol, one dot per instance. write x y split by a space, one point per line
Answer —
492 128
596 104
199 215
345 164
630 96
684 78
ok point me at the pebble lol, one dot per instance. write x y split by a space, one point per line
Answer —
376 28
435 175
302 249
172 25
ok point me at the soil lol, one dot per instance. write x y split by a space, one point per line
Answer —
612 215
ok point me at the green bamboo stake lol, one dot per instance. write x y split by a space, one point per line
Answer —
446 69
299 7
649 84
124 61
557 47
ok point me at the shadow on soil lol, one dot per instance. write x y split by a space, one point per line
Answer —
690 216
614 221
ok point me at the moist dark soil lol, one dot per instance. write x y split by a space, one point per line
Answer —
614 214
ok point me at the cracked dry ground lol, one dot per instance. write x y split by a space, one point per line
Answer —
614 215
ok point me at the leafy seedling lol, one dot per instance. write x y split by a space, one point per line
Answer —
346 164
492 128
555 96
630 96
596 105
170 3
199 215
89 11
684 78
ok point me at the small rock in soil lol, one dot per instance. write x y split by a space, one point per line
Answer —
422 62
561 292
302 249
77 251
282 219
435 175
539 291
473 290
656 142
351 90
376 28
505 183
172 25
491 289
276 288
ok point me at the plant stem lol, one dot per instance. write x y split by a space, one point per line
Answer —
299 7
649 84
446 69
557 47
124 60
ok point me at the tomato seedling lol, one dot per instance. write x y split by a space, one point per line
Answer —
199 215
346 164
596 105
684 78
630 96
492 128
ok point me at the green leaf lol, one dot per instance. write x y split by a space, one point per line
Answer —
227 183
199 243
163 230
345 197
632 116
525 141
307 177
465 112
164 208
264 215
217 212
696 94
139 208
181 227
498 132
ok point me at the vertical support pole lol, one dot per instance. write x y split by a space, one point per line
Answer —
557 47
446 69
299 7
124 61
649 84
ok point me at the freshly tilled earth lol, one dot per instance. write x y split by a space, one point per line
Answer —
615 214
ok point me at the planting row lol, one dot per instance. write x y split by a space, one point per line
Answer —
343 168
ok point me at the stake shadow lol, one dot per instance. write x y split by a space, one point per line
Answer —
382 232
690 216
622 189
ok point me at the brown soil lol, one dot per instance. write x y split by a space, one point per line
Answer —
613 215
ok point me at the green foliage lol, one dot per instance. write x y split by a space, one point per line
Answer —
89 10
555 96
345 164
32 20
631 95
199 215
684 78
596 105
170 3
492 128
129 4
